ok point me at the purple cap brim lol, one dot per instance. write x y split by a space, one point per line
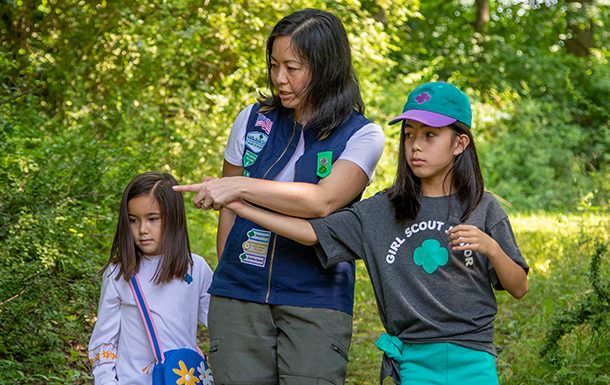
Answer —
428 118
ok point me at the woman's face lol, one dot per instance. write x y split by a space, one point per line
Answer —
290 76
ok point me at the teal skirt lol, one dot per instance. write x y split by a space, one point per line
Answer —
439 363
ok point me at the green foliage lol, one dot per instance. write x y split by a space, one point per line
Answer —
558 249
49 244
593 310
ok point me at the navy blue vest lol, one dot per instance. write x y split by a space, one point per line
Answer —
260 266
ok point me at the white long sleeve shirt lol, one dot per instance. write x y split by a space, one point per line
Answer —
119 349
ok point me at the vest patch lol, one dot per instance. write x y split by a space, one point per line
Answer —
324 164
256 140
255 247
264 123
249 158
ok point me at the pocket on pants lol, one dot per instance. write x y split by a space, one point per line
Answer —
213 352
340 349
233 364
333 363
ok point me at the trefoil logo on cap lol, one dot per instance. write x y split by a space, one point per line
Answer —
422 98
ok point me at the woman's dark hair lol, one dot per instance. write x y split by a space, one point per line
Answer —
319 38
175 246
466 173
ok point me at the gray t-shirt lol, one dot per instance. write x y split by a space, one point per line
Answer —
425 291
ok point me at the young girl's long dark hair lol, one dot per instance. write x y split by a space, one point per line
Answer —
175 240
467 179
320 40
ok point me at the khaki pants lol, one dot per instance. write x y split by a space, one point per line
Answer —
261 344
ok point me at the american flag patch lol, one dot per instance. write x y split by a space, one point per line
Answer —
264 123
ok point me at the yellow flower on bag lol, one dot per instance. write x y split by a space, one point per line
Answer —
187 376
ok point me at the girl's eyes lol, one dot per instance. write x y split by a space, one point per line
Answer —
429 134
151 219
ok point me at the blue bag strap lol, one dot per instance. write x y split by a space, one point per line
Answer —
138 294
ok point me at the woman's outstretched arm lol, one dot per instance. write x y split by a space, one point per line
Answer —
306 200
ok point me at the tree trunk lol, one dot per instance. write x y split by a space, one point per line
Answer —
580 29
482 15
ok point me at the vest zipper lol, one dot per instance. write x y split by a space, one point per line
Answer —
270 269
274 235
283 152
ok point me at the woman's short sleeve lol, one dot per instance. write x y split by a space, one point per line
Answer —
236 142
364 148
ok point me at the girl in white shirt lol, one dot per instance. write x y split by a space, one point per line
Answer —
151 240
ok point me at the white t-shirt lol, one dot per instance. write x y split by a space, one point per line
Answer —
364 148
119 349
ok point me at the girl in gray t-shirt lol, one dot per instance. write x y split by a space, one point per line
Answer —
435 244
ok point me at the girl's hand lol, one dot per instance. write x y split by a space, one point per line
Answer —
468 237
235 206
512 277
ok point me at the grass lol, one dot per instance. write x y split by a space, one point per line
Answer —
558 249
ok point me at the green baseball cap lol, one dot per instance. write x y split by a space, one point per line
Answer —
436 104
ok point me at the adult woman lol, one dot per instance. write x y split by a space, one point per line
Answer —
277 316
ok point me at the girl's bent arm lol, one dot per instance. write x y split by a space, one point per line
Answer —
297 229
512 277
